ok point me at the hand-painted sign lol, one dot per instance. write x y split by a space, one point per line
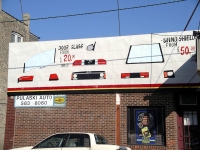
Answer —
126 62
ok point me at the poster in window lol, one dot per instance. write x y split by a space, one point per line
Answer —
145 126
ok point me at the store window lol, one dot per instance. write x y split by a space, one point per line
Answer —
16 37
146 126
190 118
188 99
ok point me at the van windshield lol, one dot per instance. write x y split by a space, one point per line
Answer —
151 53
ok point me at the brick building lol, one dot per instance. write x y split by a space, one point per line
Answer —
10 32
141 103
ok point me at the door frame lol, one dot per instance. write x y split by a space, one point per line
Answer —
180 123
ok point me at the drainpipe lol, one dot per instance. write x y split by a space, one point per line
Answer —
117 119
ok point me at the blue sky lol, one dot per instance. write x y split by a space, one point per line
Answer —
145 20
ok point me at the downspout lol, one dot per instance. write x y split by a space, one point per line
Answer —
117 119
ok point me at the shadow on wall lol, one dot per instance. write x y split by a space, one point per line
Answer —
187 76
160 105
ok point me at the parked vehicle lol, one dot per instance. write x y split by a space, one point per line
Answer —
74 141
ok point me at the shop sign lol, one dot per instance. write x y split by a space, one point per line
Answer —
164 60
40 101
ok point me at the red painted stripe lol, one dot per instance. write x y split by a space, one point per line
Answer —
96 87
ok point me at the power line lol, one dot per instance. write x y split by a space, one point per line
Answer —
191 15
191 79
21 8
99 12
118 18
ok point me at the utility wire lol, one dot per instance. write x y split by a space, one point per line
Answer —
118 18
191 79
180 35
99 12
191 15
21 8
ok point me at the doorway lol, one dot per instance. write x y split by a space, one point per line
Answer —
188 122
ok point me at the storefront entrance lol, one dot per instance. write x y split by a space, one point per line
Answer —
188 122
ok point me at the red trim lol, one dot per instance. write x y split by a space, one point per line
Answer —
104 87
180 130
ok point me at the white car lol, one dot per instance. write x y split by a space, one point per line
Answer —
74 141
